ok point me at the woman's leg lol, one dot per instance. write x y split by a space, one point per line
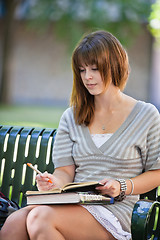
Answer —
65 222
14 227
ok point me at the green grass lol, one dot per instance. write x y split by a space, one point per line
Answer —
36 116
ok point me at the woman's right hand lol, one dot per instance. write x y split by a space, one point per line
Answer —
43 183
59 178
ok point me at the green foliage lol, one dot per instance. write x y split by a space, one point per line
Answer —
154 20
72 18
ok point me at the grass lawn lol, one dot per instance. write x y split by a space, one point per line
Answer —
36 116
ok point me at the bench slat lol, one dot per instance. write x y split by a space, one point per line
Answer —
25 144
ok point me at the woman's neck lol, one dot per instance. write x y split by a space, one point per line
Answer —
110 99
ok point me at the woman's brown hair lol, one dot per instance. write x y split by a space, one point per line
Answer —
106 52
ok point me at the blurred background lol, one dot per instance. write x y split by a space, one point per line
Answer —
37 38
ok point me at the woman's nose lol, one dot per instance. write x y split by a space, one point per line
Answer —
88 75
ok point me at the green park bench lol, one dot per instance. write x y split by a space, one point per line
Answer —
20 145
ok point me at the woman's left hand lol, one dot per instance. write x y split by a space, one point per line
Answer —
110 187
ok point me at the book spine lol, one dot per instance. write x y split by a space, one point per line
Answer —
95 199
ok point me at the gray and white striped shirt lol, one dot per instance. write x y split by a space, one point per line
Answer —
133 147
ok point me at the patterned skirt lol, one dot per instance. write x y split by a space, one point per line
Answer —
108 221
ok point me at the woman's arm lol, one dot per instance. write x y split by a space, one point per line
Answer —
65 174
59 178
142 183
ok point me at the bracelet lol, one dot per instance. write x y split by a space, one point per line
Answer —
123 188
132 187
123 184
120 197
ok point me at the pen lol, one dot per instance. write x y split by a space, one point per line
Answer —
35 169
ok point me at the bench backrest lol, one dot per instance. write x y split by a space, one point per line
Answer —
19 145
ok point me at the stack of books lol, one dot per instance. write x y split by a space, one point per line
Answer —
71 193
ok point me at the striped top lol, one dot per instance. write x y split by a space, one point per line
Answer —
133 147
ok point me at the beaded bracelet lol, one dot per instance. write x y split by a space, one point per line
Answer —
132 187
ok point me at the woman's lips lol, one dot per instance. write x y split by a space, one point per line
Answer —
91 85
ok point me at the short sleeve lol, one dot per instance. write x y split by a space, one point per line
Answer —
62 148
153 144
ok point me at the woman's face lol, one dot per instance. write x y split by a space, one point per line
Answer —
92 79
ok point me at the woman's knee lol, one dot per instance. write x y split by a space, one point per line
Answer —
37 219
38 214
16 223
17 217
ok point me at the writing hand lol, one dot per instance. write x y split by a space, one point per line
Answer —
45 181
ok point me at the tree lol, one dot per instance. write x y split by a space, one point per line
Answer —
9 7
154 27
70 19
154 20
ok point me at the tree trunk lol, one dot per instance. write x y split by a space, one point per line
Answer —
7 43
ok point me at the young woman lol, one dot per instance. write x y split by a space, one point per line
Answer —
106 136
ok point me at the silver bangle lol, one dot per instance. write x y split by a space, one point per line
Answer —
132 187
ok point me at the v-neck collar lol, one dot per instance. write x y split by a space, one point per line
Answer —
109 142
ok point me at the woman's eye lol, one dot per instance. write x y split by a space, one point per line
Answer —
81 70
94 69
